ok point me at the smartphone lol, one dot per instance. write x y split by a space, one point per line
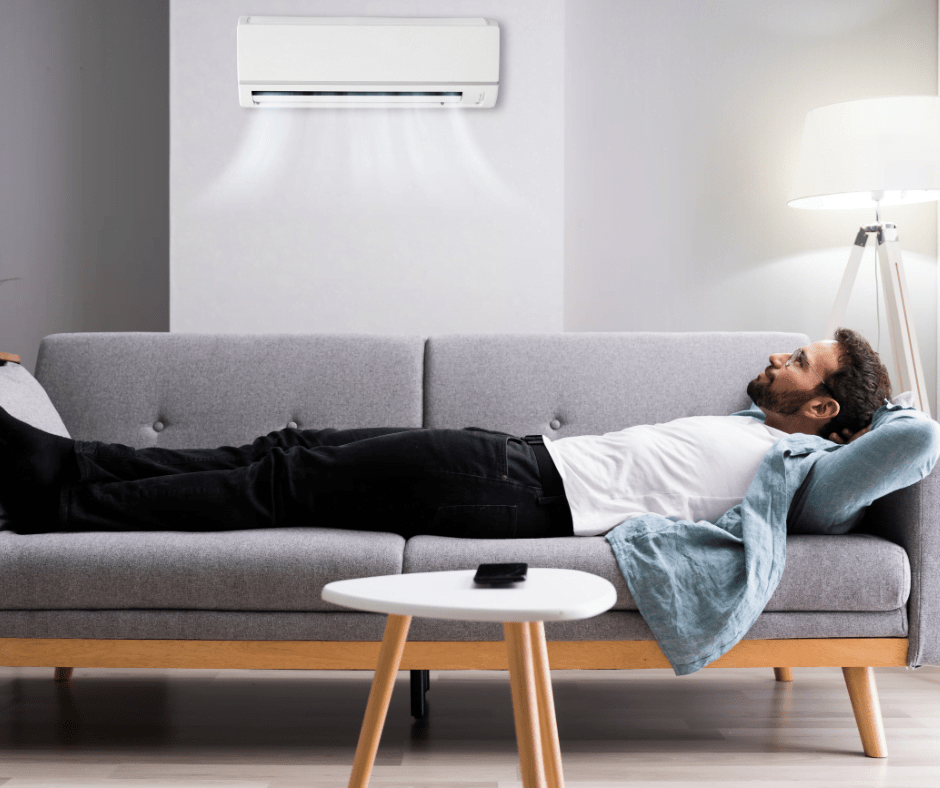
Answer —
500 574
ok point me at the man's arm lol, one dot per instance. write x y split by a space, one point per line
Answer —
899 448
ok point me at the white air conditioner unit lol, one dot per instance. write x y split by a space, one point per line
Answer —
293 61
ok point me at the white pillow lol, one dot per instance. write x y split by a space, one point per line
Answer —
904 400
23 397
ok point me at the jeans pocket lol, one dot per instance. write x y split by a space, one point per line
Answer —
484 521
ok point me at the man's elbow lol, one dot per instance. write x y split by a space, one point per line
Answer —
920 439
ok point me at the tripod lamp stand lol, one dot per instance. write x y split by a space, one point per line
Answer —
868 154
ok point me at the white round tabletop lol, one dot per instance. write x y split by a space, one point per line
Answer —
545 595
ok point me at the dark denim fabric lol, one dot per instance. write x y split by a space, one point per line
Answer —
467 483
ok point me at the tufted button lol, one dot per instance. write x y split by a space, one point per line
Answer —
158 426
292 425
555 424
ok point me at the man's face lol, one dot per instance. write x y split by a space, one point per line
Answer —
785 389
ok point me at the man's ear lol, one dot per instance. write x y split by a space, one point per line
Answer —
821 408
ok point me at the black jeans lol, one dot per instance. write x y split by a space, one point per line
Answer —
469 483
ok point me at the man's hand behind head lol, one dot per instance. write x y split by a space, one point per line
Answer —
848 436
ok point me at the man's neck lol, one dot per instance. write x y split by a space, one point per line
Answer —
793 425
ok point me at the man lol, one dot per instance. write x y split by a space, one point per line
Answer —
469 482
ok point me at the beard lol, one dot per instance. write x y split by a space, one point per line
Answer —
785 403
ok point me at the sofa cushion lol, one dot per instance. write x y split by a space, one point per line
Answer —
823 573
275 569
203 390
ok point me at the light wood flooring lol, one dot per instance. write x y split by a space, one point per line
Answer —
286 729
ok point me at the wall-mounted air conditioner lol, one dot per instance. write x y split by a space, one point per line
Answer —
286 61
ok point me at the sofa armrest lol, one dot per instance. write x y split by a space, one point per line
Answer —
911 518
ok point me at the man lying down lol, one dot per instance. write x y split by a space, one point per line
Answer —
696 510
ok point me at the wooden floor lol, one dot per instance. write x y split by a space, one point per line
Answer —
271 729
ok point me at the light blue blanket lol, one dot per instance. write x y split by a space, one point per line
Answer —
700 586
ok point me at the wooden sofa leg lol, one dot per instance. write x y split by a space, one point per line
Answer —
863 692
783 674
63 674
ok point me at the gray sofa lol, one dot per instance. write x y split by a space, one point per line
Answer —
251 599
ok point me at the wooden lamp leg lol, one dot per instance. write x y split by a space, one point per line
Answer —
393 644
783 674
863 692
524 703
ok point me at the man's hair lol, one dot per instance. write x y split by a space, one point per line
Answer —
860 385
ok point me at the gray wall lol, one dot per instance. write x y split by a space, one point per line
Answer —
394 221
83 168
682 126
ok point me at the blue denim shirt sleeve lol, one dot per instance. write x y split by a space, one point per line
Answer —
900 449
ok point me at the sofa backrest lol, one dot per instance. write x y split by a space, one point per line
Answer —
187 390
193 390
591 383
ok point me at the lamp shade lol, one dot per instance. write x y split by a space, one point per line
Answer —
860 154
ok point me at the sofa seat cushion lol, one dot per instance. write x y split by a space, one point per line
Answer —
270 570
851 573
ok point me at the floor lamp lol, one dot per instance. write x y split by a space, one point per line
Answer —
868 154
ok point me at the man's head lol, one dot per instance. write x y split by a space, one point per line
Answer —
826 387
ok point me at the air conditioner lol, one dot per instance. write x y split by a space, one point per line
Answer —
287 61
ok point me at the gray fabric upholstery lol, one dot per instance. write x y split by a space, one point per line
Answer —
911 519
628 625
235 625
589 384
823 573
842 573
195 390
589 554
281 569
189 625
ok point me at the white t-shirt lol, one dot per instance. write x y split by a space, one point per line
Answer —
694 469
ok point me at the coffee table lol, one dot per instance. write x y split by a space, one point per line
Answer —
546 595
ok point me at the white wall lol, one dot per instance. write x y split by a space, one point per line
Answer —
650 196
83 169
393 221
683 121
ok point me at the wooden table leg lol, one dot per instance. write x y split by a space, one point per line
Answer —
551 751
783 674
525 703
863 692
393 643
